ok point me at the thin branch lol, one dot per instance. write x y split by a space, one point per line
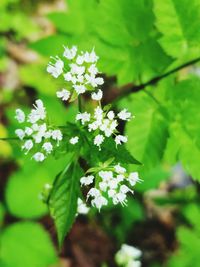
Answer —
8 138
153 81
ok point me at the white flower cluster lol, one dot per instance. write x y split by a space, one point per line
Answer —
104 124
128 256
112 184
81 74
82 207
37 132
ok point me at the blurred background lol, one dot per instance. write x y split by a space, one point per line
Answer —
149 54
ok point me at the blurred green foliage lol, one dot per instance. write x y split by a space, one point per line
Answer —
136 41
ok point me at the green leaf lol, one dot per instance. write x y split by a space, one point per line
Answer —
179 23
122 33
147 132
56 48
25 186
185 149
63 199
27 244
184 131
110 150
36 76
131 40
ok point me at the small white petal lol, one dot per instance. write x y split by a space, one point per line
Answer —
20 133
97 96
74 140
19 115
39 156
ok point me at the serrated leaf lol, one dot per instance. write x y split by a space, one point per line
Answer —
63 199
184 131
179 23
147 132
135 52
122 33
110 150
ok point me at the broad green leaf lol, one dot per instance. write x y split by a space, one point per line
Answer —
36 76
184 132
147 131
79 18
26 244
179 23
130 35
56 48
122 33
63 199
185 149
25 186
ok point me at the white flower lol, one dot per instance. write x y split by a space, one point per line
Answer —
55 69
38 113
111 193
63 94
47 146
98 113
106 175
134 178
20 133
35 127
111 115
119 169
40 133
68 77
103 186
81 207
86 180
127 256
125 189
97 96
28 131
75 69
113 184
80 89
93 81
39 156
84 117
124 115
80 59
70 53
99 201
131 251
28 145
93 192
74 140
93 69
98 140
19 115
120 178
93 126
113 125
120 198
119 139
91 57
57 135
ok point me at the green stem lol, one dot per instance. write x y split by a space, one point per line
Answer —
79 104
8 138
